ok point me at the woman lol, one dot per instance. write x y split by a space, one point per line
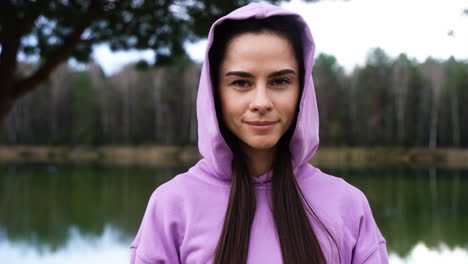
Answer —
254 198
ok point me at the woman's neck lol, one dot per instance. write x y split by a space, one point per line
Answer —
259 161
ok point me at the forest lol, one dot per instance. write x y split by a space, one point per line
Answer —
385 102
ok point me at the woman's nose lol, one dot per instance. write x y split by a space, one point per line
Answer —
261 101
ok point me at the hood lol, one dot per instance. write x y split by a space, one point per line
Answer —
217 156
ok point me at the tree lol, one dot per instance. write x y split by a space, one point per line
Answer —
56 30
456 83
371 101
401 79
435 77
329 79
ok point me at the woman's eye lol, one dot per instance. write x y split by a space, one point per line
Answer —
240 83
280 82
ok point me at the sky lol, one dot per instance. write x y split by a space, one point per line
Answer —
348 30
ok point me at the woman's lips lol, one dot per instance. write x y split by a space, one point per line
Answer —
261 125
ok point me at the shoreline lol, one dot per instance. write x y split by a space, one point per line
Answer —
154 155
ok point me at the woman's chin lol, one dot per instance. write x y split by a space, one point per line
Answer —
262 144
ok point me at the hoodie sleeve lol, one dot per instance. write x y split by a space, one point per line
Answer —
370 247
157 238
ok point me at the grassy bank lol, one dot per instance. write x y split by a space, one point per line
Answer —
134 155
358 157
355 157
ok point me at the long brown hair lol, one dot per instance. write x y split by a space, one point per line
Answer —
297 238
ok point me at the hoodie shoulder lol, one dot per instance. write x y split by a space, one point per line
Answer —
162 228
325 183
176 190
189 189
341 202
341 197
346 209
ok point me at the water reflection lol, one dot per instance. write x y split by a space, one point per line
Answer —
421 254
90 213
39 204
108 247
412 206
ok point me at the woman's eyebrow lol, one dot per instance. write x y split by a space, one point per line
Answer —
282 72
249 75
239 73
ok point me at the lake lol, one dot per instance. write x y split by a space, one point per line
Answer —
89 213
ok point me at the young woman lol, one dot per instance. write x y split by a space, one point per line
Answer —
254 198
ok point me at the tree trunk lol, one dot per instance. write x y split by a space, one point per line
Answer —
434 123
7 75
455 118
5 108
400 83
11 90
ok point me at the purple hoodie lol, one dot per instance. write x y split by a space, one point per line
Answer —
185 216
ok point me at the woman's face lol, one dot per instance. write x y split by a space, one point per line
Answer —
259 88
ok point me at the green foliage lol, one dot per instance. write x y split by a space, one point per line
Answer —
329 81
162 26
142 65
83 108
372 94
